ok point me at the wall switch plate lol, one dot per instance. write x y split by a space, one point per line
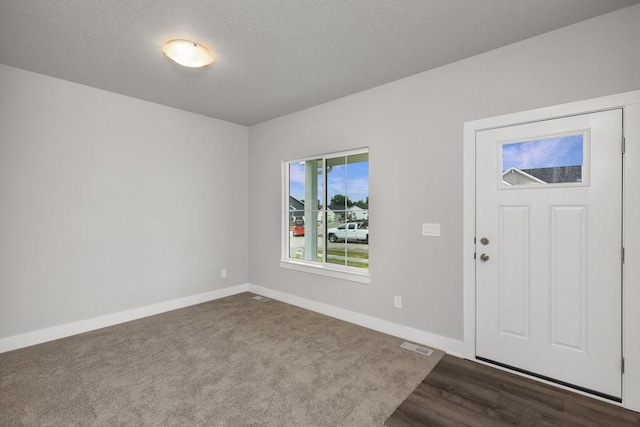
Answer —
431 229
223 273
397 302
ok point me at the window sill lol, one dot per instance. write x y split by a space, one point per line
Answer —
323 270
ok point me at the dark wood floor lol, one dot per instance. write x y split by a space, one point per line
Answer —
459 392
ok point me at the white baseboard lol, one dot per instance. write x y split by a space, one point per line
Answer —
62 331
450 345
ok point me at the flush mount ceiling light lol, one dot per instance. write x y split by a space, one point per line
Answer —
188 53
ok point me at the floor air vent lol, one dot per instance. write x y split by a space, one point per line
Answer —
418 349
261 299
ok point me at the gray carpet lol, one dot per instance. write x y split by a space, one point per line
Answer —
229 362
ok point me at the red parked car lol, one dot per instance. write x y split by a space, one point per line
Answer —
298 227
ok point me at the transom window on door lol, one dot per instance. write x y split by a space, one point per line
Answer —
326 214
552 160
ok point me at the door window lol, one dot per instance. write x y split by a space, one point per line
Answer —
553 160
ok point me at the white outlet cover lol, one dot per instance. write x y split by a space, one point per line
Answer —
397 302
429 229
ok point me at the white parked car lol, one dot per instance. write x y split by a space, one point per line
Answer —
350 231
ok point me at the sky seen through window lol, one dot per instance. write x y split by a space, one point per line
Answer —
544 153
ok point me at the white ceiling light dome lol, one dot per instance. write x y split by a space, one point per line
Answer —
188 53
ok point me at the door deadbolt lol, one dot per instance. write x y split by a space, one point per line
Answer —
484 241
484 257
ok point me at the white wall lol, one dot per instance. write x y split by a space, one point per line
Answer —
109 203
414 128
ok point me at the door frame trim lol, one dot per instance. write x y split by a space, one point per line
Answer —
630 103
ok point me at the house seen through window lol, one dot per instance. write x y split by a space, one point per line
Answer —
327 222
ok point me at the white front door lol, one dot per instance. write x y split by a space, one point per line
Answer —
548 267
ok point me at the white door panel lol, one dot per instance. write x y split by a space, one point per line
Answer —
549 294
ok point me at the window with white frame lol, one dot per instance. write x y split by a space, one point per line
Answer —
326 222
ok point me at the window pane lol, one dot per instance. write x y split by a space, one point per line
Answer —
352 253
302 236
544 161
336 228
301 177
358 187
337 183
348 242
305 200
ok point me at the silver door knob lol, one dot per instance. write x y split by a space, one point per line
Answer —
484 257
484 241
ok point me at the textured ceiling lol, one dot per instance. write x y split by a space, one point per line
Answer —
274 57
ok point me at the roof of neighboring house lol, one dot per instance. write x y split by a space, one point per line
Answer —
295 203
551 175
557 174
525 175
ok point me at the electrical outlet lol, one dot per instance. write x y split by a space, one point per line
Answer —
397 302
223 273
431 229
